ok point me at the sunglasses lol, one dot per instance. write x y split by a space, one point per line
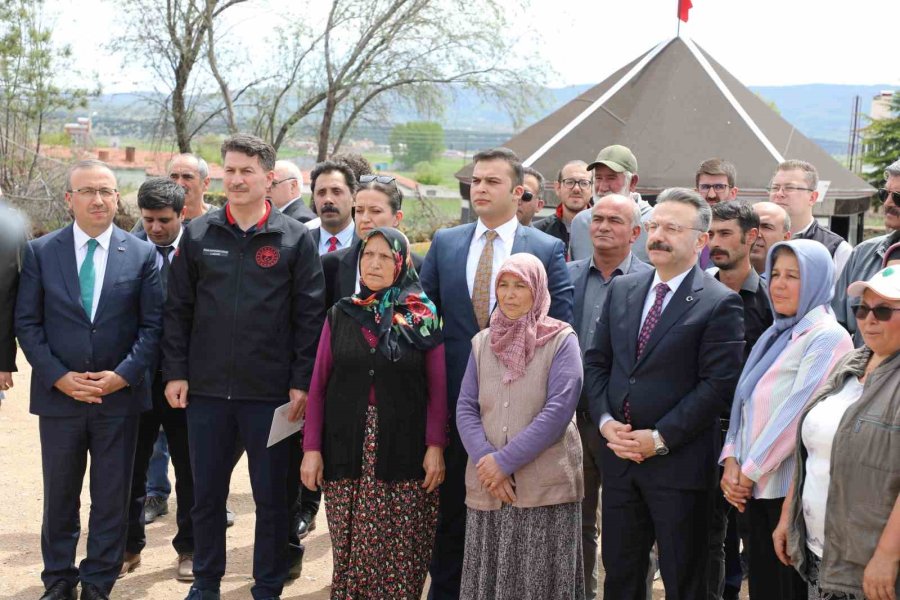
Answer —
384 179
887 194
881 313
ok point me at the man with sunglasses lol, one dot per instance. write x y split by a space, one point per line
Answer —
286 189
867 258
532 200
794 188
573 187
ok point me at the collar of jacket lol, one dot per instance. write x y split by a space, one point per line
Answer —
275 222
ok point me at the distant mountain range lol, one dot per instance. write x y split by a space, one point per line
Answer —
821 111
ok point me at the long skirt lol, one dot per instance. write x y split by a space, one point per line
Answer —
524 554
382 532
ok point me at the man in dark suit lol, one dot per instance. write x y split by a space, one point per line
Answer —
458 275
161 202
615 225
285 192
12 245
379 203
333 186
662 367
89 317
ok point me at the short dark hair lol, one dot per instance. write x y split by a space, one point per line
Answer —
716 166
506 155
391 190
741 212
85 165
157 193
330 166
251 146
357 163
537 175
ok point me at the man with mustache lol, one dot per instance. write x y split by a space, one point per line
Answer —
774 226
867 258
88 317
333 187
615 172
573 188
734 230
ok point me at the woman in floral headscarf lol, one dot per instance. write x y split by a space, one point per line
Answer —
516 419
376 426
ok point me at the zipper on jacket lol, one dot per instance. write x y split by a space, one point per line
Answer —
874 422
234 318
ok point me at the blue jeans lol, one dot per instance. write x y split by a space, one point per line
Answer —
158 473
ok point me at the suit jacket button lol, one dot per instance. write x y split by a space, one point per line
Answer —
371 350
93 330
371 372
632 380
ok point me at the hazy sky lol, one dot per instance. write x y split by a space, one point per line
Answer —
762 42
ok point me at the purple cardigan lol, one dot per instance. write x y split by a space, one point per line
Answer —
562 399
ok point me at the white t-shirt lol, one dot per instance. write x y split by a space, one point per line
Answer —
818 432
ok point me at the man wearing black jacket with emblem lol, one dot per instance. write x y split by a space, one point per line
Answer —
244 311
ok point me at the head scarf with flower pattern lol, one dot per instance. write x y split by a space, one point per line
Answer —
399 311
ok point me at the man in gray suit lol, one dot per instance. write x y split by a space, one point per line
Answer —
615 225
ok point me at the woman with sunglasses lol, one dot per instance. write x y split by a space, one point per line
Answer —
840 523
789 362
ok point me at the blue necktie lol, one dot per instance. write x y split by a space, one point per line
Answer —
86 278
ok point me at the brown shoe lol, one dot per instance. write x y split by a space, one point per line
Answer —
185 567
129 564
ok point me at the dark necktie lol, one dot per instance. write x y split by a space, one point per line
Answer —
332 244
649 324
164 269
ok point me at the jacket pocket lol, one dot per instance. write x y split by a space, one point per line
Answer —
876 443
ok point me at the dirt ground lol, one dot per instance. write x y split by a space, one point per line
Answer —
20 527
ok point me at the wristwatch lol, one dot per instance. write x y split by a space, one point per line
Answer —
658 444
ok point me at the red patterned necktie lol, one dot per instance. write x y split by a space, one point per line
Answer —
332 244
649 324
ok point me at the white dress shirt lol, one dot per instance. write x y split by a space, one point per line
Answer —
344 238
174 245
503 243
673 284
100 255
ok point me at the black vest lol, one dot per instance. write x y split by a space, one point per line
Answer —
402 392
823 235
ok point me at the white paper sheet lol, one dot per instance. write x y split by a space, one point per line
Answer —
281 427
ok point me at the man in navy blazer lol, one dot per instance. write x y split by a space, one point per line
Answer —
665 359
449 276
89 318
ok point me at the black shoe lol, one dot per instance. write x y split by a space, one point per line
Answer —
229 517
155 506
196 594
307 524
90 592
61 590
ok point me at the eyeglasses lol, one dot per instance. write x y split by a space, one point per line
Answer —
887 194
277 181
673 228
385 179
89 192
719 187
787 189
881 313
570 183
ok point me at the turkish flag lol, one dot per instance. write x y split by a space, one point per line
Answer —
683 7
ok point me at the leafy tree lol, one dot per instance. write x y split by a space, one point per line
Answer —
417 142
881 140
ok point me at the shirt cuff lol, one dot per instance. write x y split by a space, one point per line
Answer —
604 419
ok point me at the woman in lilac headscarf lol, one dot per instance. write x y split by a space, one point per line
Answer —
515 417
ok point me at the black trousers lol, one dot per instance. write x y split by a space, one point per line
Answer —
769 579
174 423
638 510
214 426
65 445
302 502
450 539
724 549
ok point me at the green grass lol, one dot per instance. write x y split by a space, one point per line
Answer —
445 166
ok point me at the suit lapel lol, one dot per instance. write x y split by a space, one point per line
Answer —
115 257
459 254
347 270
580 286
68 266
634 305
684 298
521 243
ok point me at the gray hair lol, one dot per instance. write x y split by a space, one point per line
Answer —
202 166
635 209
686 196
86 165
292 169
892 170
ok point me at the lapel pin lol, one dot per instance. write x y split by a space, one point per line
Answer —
689 299
121 248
